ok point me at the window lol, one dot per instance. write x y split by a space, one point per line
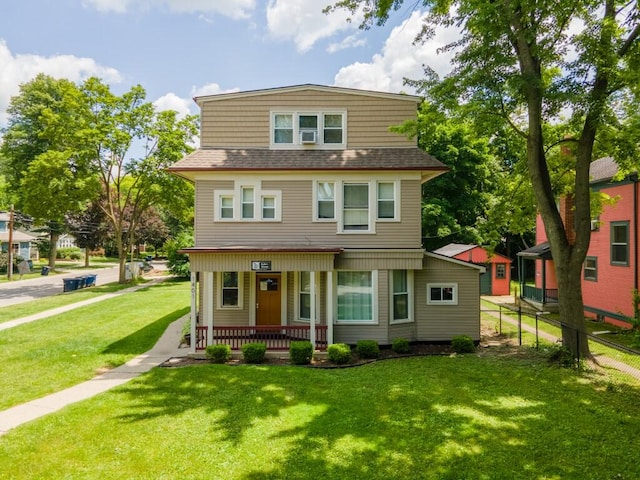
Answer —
326 201
386 200
355 296
401 285
268 207
229 291
247 202
283 128
442 294
591 268
620 243
501 270
355 206
226 207
304 295
308 129
332 128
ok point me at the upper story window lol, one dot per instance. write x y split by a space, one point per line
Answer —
308 129
591 269
386 200
355 214
620 243
247 203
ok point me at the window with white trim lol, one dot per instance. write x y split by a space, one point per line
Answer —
325 201
247 203
355 207
304 296
229 289
591 269
442 294
401 283
306 129
619 243
356 296
386 200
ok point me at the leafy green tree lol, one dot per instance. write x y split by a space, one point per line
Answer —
43 156
117 127
177 262
526 63
454 205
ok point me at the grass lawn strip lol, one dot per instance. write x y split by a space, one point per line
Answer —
33 307
471 416
57 352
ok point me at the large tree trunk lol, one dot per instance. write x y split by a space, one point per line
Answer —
53 249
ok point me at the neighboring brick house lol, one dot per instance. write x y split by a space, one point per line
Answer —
610 272
308 224
496 280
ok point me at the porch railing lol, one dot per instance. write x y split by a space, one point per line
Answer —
276 337
547 295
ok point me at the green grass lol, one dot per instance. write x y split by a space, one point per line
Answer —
57 352
26 309
464 417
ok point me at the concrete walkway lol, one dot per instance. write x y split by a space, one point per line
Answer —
168 346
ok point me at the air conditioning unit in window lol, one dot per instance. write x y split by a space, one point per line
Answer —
308 136
595 225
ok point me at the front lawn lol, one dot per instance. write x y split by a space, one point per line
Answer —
464 417
57 352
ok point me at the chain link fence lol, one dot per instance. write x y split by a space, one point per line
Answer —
609 346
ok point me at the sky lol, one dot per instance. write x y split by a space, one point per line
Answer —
178 49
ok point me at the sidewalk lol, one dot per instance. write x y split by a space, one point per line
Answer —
168 346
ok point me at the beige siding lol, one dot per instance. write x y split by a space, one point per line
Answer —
241 262
243 122
297 225
442 322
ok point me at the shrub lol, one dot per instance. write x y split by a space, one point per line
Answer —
254 352
560 355
339 353
400 345
219 353
301 353
69 253
463 344
367 349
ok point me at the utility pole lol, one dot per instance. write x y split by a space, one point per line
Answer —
10 249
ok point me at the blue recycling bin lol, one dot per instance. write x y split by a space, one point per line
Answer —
91 280
45 271
69 284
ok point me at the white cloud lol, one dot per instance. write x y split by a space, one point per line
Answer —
400 58
351 41
18 69
211 89
236 9
171 101
303 21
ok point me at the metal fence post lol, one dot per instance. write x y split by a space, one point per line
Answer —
500 319
520 325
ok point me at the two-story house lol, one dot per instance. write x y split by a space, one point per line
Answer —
308 224
611 271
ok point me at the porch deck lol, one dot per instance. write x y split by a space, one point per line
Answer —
540 298
276 337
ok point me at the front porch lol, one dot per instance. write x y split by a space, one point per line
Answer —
275 337
538 295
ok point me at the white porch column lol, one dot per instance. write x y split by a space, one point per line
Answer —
329 308
207 304
312 320
194 311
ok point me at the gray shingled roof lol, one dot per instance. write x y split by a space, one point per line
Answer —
603 169
453 249
208 159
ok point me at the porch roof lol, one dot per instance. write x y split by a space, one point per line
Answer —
542 251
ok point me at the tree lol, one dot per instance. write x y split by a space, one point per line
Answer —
454 206
525 62
88 227
117 128
43 156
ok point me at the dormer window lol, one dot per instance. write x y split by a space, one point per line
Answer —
308 130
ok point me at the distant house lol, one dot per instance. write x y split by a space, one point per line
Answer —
497 277
66 241
22 241
308 224
611 270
